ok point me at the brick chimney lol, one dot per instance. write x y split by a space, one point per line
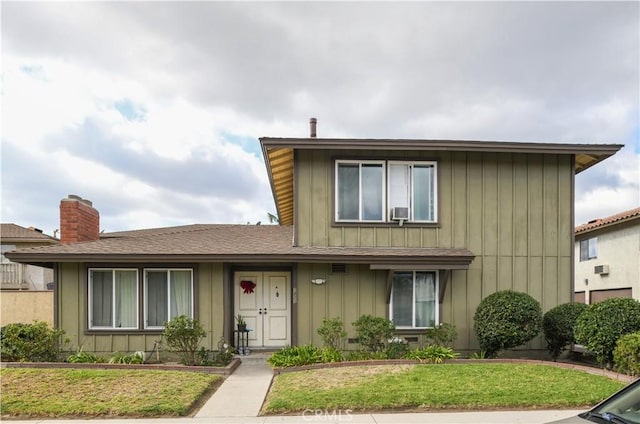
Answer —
79 221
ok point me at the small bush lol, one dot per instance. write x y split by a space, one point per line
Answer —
506 319
442 335
558 324
220 358
373 332
35 342
82 357
365 355
295 356
626 355
183 335
332 333
330 354
481 354
432 354
600 326
396 348
127 358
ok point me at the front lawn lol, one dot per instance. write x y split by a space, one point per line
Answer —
443 386
101 393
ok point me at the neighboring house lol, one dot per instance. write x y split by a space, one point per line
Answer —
25 293
607 258
419 231
20 276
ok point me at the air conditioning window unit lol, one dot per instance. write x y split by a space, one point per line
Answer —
601 269
400 213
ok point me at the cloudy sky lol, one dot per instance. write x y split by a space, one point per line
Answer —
153 110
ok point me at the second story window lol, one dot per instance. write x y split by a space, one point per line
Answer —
369 191
412 185
588 249
360 191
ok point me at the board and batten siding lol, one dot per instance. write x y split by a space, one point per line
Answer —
512 210
71 298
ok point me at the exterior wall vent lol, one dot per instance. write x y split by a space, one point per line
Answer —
601 269
400 214
338 268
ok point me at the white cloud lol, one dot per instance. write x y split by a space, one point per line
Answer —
209 78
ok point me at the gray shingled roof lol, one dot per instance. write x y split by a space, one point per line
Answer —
220 242
12 233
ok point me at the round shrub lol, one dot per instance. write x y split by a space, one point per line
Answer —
35 342
374 333
600 326
332 333
626 355
183 335
506 319
558 324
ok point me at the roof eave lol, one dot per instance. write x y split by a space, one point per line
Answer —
457 261
608 225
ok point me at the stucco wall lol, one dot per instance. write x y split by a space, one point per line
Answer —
619 248
26 306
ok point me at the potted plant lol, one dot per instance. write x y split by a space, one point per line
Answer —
242 324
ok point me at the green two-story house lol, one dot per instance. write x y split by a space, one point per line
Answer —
419 231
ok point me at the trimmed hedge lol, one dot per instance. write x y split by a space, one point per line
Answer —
600 326
35 342
506 319
626 355
558 324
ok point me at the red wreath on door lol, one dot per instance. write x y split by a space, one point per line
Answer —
247 286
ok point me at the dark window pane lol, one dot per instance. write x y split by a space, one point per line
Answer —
348 191
423 193
157 292
372 185
101 298
402 298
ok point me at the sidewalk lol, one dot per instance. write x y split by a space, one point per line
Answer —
239 399
500 417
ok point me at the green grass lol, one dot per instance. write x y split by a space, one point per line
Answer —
444 386
101 393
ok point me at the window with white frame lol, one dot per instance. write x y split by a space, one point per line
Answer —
360 191
414 299
168 293
113 298
588 249
368 191
412 185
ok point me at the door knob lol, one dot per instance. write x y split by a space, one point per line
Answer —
265 311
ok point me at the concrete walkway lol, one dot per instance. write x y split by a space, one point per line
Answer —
243 392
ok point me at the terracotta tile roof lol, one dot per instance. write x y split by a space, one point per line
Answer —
611 220
221 242
12 233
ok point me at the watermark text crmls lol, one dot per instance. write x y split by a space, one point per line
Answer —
327 415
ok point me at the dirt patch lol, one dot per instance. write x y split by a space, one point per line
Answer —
332 378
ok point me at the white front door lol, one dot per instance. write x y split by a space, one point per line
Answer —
262 298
